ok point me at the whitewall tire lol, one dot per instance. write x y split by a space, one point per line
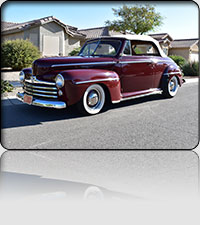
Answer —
171 87
93 100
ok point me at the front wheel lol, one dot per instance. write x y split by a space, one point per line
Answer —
171 87
92 101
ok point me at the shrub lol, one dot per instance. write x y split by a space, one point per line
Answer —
191 69
75 51
6 86
18 54
179 60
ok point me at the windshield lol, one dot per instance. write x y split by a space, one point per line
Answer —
101 48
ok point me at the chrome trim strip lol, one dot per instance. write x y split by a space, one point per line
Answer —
116 101
142 61
99 80
171 73
40 87
83 64
39 91
41 95
157 91
44 103
35 80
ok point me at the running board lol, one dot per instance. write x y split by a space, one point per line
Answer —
158 91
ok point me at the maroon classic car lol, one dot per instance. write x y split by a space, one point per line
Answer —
108 68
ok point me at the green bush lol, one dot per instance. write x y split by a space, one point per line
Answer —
6 86
75 51
18 54
191 69
179 60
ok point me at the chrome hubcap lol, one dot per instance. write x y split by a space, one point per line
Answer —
173 85
93 98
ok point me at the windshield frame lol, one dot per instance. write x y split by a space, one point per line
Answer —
98 42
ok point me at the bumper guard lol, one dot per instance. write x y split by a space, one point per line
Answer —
43 103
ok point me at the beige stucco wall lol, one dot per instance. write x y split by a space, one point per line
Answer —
18 35
194 53
82 42
70 44
195 48
54 30
184 52
32 35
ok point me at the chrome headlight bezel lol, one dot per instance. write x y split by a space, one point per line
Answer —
21 76
59 81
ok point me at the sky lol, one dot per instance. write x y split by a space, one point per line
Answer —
180 18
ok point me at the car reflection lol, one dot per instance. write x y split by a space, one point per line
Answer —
117 175
26 186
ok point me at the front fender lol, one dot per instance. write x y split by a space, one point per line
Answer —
78 80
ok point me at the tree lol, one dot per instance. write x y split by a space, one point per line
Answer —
136 19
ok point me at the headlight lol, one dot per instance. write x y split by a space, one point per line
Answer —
21 76
59 81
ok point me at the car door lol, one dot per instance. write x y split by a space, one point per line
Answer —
137 66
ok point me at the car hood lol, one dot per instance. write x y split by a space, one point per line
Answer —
45 65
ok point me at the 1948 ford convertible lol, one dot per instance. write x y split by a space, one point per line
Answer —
107 68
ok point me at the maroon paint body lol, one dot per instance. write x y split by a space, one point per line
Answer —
130 75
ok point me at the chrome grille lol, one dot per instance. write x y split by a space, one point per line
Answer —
40 89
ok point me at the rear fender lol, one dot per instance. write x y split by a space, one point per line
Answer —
77 81
170 71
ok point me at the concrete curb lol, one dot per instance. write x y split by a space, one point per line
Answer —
191 80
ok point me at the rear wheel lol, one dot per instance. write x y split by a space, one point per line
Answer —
92 101
93 193
171 87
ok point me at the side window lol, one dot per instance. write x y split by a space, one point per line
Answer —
144 48
127 49
89 49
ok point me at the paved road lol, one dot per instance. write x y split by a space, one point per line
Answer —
146 123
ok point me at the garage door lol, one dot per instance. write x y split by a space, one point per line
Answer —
51 46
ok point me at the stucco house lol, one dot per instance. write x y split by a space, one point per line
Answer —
54 38
50 35
188 48
164 40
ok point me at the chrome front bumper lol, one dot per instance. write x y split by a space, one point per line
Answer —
43 103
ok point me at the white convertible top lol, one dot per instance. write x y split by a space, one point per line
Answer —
140 38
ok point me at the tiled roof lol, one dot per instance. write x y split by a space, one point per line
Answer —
8 27
160 37
98 32
184 43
